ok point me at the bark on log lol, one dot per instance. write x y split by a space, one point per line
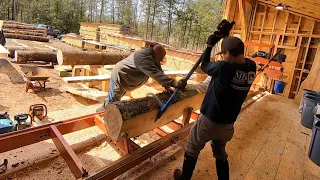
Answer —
12 49
17 26
90 58
26 37
41 34
35 55
8 30
131 118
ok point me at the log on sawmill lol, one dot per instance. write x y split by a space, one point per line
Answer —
35 55
90 57
26 37
18 26
12 49
32 33
131 118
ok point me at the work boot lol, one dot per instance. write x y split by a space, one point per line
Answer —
101 108
189 164
222 167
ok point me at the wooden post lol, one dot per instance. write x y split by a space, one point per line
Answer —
68 154
186 116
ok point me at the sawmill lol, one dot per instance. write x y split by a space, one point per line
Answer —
105 102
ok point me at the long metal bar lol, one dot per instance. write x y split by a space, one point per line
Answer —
141 155
33 135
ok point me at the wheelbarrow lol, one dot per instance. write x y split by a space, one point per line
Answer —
34 79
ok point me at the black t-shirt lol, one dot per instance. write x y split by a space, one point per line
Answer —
227 90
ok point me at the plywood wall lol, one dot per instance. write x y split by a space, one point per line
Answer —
296 35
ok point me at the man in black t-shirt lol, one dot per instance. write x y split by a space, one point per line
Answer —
230 82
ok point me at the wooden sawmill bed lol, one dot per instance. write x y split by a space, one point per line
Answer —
132 154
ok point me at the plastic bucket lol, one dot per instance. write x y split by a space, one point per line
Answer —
307 116
278 87
314 149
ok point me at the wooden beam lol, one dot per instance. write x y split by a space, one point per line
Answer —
243 19
68 154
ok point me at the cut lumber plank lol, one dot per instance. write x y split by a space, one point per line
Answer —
26 37
128 119
77 79
45 56
89 93
89 58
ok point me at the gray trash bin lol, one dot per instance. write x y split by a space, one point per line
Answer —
314 149
309 104
304 93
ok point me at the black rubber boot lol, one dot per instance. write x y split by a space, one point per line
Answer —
222 167
189 164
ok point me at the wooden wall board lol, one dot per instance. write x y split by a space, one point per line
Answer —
297 35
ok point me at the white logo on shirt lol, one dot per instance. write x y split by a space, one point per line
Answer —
244 77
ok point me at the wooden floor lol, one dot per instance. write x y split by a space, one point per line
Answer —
269 143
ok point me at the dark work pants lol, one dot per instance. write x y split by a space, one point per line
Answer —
205 130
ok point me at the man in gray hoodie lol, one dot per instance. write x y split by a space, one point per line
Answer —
133 71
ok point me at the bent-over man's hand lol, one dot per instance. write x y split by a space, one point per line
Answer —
181 84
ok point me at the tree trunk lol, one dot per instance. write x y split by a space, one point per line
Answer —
15 31
12 49
153 15
26 37
35 55
15 9
90 58
148 17
128 119
102 10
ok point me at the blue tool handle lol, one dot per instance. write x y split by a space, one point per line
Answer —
166 105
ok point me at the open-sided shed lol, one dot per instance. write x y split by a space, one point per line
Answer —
294 29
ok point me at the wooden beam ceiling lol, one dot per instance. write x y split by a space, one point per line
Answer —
308 8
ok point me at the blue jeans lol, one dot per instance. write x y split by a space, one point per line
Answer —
115 93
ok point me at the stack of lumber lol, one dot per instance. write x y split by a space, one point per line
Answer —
120 40
73 40
90 31
110 29
18 30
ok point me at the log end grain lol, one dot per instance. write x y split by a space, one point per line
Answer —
113 120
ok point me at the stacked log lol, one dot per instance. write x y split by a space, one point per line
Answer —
90 57
121 40
35 55
18 30
12 49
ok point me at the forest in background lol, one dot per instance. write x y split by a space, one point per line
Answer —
180 23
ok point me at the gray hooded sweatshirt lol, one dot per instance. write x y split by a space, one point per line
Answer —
133 71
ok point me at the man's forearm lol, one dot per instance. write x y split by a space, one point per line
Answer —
206 59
